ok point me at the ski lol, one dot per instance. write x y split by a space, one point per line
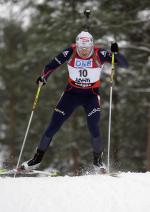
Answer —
98 171
20 172
104 171
114 174
38 173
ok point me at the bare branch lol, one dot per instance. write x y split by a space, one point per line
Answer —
142 48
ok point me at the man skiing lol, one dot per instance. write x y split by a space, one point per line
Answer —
84 62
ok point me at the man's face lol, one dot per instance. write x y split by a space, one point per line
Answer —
85 52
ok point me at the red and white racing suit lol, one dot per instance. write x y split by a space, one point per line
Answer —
81 90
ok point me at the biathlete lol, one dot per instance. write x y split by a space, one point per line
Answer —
85 62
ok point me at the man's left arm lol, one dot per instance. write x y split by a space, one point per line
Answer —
106 56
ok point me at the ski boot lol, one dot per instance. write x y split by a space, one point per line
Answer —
99 166
34 162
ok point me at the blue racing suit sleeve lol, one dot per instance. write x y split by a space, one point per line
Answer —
106 57
57 61
121 61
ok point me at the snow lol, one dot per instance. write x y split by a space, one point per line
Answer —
99 193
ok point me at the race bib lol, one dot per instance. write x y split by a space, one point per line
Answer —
85 75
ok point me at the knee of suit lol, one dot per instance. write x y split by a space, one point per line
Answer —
93 125
55 124
52 129
94 130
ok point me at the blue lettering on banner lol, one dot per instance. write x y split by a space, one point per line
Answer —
86 80
83 63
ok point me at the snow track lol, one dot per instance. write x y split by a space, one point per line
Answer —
129 192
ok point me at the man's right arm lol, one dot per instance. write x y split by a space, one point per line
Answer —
54 64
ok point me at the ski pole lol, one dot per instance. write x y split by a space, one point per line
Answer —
110 106
29 123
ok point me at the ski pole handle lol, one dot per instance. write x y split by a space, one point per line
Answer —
113 68
37 96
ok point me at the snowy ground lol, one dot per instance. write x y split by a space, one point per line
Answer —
129 192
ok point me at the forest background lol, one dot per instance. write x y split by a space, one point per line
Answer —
32 33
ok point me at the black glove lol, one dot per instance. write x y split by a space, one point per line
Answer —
114 47
41 79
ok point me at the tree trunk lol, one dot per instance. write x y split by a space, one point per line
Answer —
12 129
